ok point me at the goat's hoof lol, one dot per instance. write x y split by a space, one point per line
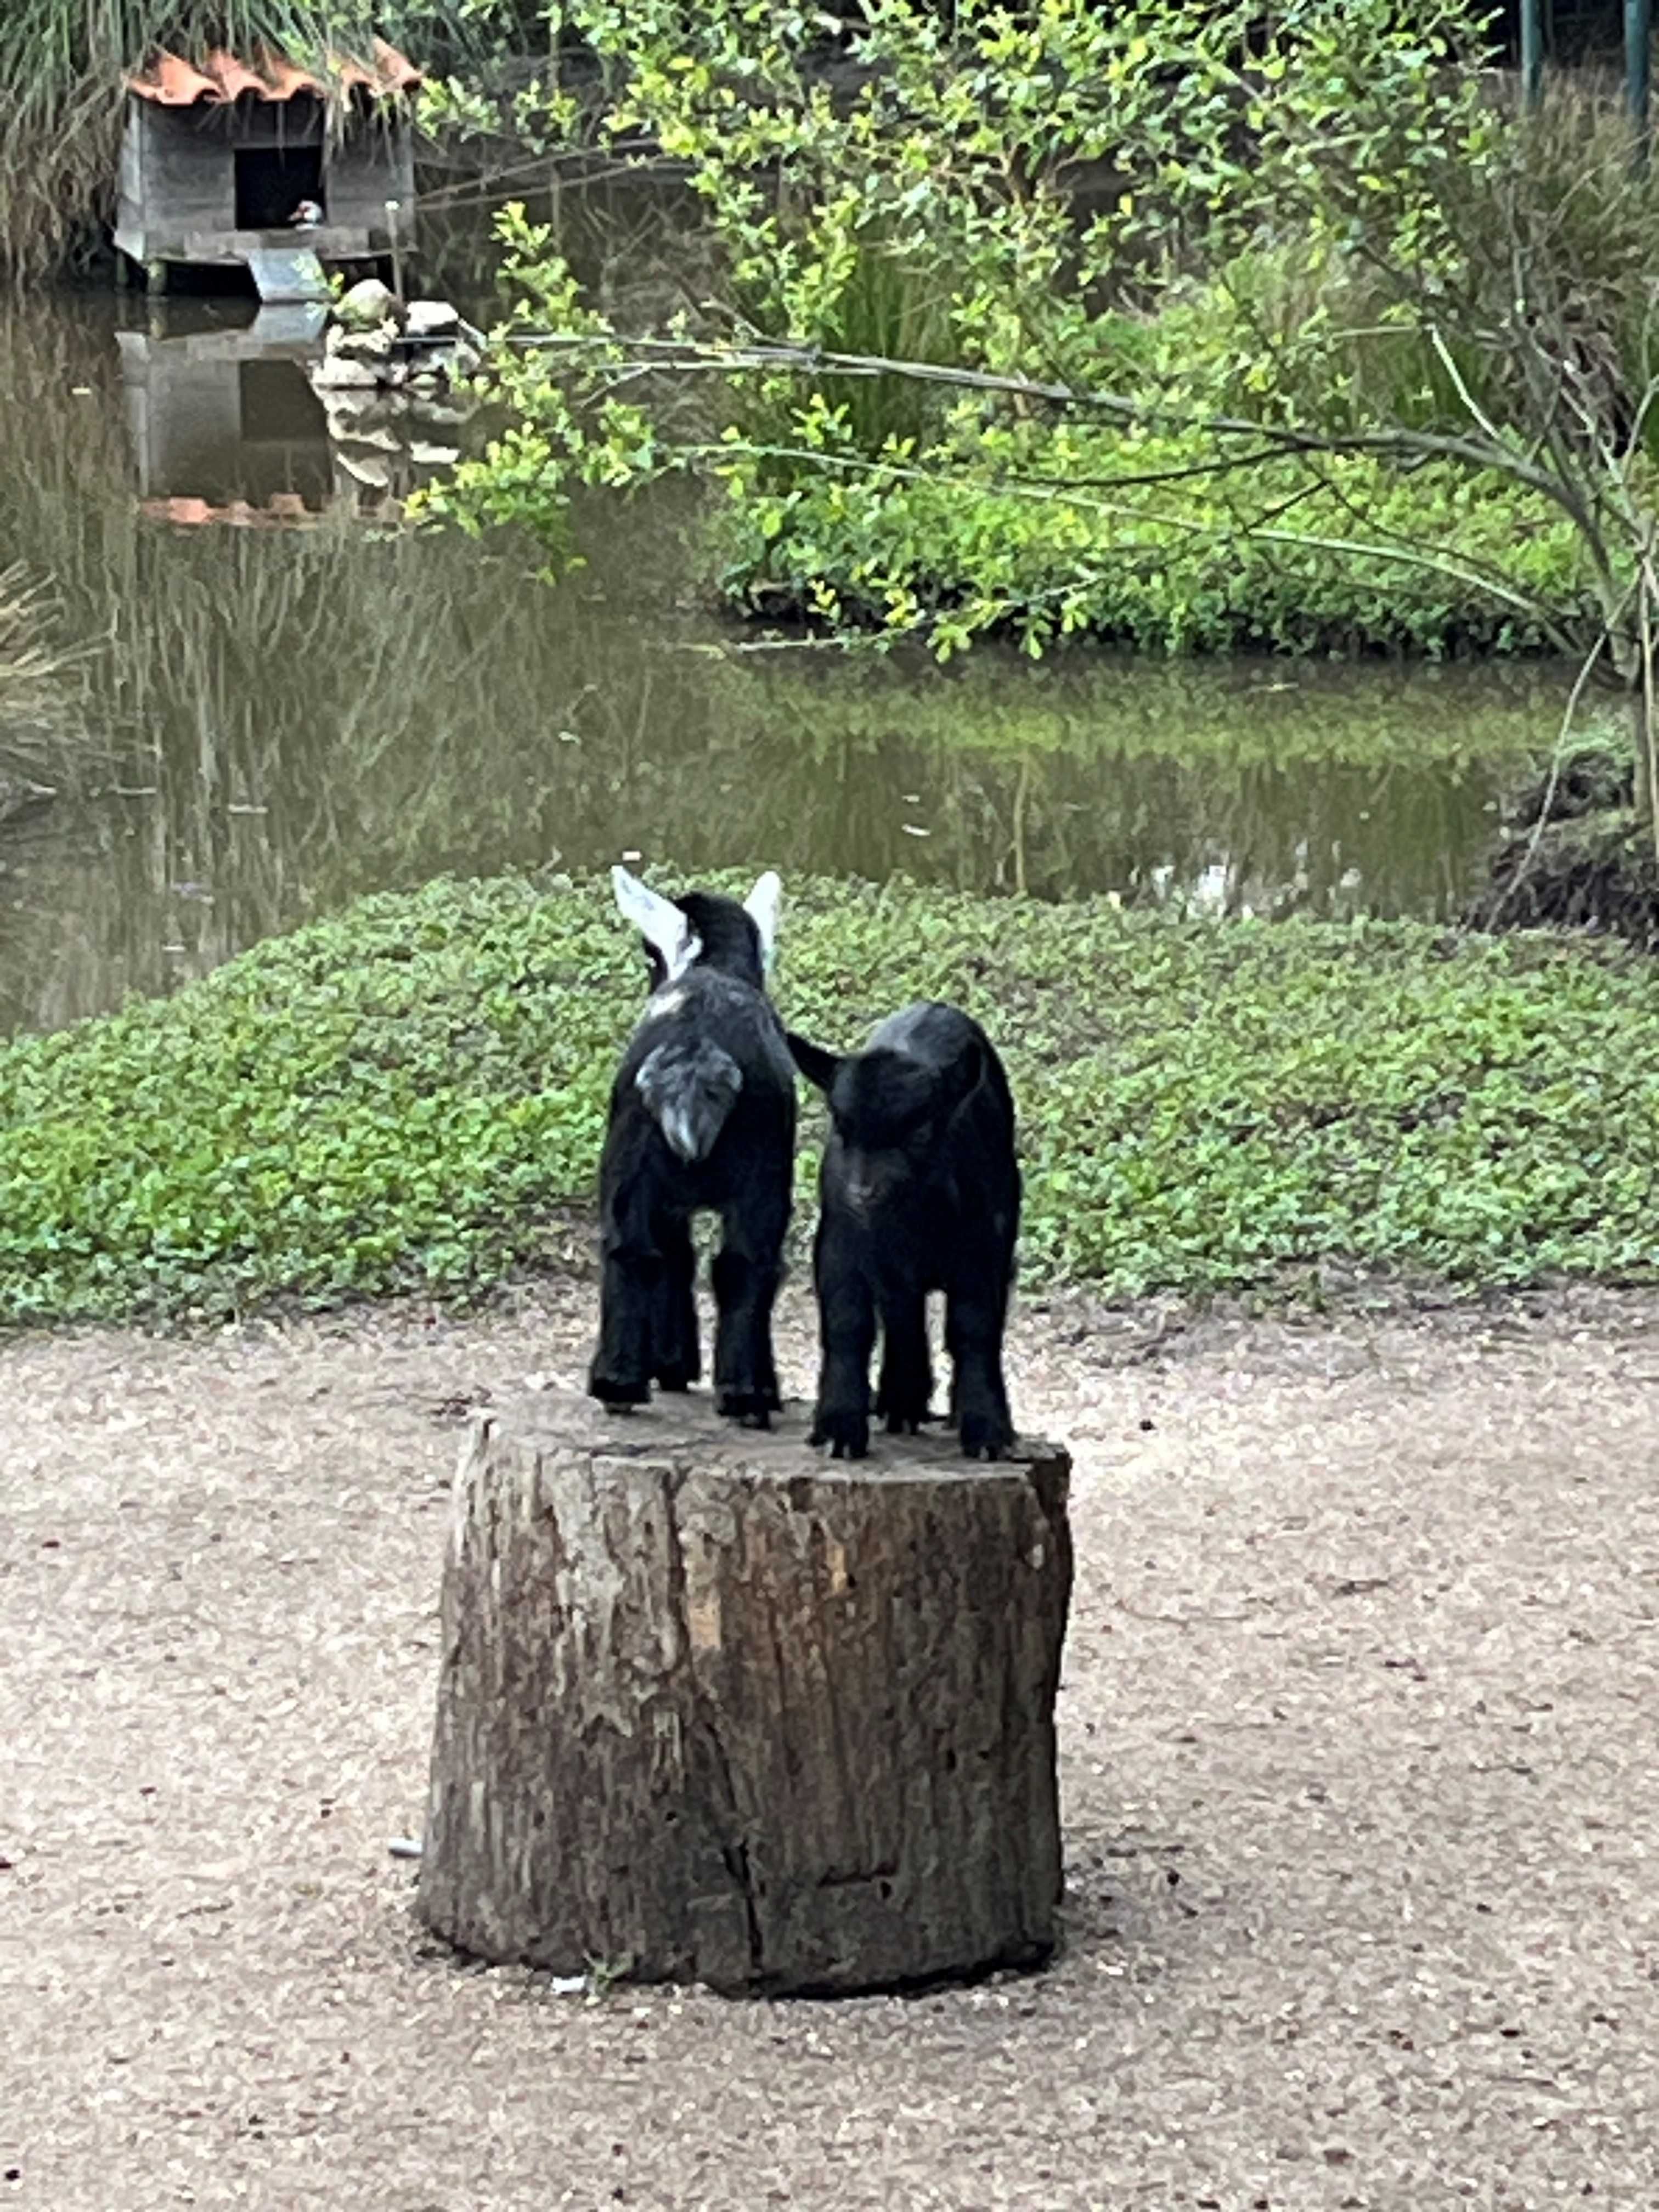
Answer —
983 1439
751 1409
848 1435
620 1397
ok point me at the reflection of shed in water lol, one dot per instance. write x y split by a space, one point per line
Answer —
218 162
227 416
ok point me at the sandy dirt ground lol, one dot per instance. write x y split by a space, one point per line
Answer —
1359 1742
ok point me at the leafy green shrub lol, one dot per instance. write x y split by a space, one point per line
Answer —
1060 531
409 1096
1282 252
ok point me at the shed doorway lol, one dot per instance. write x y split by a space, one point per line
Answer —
272 181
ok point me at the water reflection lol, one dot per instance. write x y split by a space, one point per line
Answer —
277 719
225 427
222 421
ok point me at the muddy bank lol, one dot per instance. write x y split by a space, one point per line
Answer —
1597 872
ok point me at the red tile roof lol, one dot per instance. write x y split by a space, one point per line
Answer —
172 82
281 507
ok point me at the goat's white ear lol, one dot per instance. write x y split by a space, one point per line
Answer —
762 907
657 919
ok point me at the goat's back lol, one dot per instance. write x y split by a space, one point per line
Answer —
946 1041
708 1065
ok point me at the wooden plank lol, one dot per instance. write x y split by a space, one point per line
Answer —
287 273
226 248
190 181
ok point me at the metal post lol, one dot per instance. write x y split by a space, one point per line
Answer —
1638 31
1532 52
393 208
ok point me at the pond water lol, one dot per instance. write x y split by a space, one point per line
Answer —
283 700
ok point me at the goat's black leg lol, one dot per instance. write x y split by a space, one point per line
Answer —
904 1387
631 1271
973 1335
745 1379
630 1287
675 1360
846 1331
747 1270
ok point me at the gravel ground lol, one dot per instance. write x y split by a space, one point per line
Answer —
1358 1745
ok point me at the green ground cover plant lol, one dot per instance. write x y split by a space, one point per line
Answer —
412 1097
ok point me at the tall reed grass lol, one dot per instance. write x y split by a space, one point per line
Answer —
41 687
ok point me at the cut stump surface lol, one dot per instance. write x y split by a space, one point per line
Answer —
712 1710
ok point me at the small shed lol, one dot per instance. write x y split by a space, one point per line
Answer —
232 161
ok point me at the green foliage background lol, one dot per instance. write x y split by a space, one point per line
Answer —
1185 328
1275 559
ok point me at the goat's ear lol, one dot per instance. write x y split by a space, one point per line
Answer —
819 1067
662 923
967 1072
761 907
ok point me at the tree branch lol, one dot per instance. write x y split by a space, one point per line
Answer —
1401 443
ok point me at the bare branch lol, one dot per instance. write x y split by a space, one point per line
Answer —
1494 579
1639 422
1649 737
1471 405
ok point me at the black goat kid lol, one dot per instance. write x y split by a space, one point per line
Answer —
920 1192
703 1114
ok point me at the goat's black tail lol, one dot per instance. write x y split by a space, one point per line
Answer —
689 1089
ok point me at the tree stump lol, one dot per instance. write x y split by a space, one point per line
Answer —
712 1709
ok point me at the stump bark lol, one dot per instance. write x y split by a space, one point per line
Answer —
712 1710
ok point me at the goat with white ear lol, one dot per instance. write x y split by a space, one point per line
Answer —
702 1115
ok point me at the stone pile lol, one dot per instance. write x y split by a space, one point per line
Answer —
393 380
